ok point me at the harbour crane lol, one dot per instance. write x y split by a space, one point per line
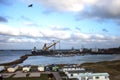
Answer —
45 47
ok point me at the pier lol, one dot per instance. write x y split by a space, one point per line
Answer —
18 61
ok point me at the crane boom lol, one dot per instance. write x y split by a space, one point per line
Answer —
45 48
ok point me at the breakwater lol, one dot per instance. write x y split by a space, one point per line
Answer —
18 61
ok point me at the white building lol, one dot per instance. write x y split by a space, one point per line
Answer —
81 50
87 76
12 68
41 68
71 68
26 68
35 49
94 50
2 68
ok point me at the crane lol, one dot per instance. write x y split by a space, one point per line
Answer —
45 47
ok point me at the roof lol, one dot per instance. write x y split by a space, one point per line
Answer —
75 68
26 65
72 67
41 66
2 67
93 74
13 66
78 71
100 74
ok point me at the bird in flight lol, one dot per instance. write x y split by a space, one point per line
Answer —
30 5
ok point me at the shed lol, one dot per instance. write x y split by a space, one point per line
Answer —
12 68
26 68
41 68
2 68
55 68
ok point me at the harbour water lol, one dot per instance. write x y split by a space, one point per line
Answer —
78 59
7 56
11 55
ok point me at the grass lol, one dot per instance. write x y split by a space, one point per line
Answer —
111 67
42 77
62 74
26 78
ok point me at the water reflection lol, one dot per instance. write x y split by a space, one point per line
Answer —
36 60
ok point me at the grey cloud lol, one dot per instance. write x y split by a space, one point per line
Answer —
32 24
6 2
118 21
48 11
3 38
94 40
102 10
72 41
98 14
15 39
104 30
60 28
4 34
78 28
62 5
2 2
92 9
3 19
28 22
25 18
20 35
66 29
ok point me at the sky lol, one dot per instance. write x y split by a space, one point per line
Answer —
76 23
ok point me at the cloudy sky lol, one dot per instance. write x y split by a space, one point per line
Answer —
76 23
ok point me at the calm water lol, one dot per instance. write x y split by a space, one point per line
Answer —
37 60
7 56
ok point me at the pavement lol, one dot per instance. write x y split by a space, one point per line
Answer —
19 74
6 75
57 76
32 74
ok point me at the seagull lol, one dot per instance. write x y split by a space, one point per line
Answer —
30 5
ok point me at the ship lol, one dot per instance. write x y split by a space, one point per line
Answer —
45 49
